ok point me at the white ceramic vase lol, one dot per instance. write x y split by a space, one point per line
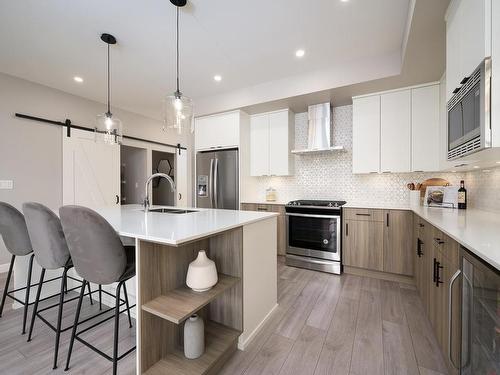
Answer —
202 273
194 337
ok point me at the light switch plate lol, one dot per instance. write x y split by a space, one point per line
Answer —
6 184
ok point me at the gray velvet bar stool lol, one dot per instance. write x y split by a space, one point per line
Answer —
99 257
16 239
51 253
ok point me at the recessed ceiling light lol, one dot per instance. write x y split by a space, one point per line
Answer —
300 53
498 162
78 79
454 171
217 78
344 1
476 166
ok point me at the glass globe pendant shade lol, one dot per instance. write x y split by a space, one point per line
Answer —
177 113
109 129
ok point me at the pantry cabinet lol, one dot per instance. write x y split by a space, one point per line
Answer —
397 131
468 39
272 138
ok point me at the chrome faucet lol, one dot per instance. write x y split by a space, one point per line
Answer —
146 203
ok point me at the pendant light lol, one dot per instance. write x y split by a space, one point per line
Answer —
108 129
177 108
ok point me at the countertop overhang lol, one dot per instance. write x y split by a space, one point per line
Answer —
176 229
476 230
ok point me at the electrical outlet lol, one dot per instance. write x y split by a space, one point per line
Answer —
6 184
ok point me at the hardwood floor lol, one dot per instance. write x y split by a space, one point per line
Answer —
324 324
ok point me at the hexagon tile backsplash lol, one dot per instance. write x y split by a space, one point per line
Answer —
329 175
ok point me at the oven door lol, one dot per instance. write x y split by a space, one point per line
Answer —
311 235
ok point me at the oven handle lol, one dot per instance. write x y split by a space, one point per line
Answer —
310 215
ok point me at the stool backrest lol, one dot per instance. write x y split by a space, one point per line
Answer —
96 249
47 236
13 230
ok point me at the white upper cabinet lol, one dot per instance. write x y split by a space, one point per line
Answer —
468 39
218 131
259 145
271 140
366 135
395 132
425 128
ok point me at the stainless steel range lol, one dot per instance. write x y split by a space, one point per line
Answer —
313 237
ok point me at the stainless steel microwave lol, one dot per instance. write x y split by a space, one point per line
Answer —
469 127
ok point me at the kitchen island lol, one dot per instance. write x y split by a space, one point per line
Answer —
243 246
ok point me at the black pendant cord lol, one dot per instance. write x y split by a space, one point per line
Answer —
69 125
177 37
109 95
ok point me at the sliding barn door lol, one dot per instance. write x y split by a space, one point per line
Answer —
91 171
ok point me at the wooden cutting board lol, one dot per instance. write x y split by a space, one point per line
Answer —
432 182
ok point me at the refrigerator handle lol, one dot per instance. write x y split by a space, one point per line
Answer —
210 184
469 322
216 177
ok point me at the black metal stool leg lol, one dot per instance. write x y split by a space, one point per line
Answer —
9 275
75 324
90 294
100 297
27 294
126 302
117 326
59 317
35 306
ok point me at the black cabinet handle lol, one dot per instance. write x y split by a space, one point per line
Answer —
434 271
421 225
419 247
346 229
117 199
438 276
363 214
387 218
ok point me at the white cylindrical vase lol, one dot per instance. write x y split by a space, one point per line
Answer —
202 273
415 198
194 337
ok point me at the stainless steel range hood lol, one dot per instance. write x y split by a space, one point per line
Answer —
319 138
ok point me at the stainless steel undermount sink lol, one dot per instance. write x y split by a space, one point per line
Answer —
171 210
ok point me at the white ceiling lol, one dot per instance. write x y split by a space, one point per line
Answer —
248 42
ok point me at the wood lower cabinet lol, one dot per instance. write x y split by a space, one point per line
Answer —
379 240
279 208
437 260
397 242
363 244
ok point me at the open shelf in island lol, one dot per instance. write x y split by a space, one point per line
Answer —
166 303
220 341
179 304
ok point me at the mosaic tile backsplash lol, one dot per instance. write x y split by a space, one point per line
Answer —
329 175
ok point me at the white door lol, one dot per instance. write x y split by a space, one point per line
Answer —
424 126
181 173
395 134
366 135
279 148
259 145
91 171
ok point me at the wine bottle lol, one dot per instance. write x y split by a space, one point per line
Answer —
462 196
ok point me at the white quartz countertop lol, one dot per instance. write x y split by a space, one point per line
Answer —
176 229
477 230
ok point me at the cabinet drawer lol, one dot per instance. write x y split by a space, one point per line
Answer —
361 214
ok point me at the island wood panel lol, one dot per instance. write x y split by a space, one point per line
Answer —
163 269
397 242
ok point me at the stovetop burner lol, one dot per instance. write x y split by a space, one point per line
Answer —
316 203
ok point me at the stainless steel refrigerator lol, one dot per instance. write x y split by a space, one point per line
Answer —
217 183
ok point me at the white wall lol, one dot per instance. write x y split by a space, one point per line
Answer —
31 152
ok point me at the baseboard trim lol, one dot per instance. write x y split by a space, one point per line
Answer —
379 275
4 267
243 344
